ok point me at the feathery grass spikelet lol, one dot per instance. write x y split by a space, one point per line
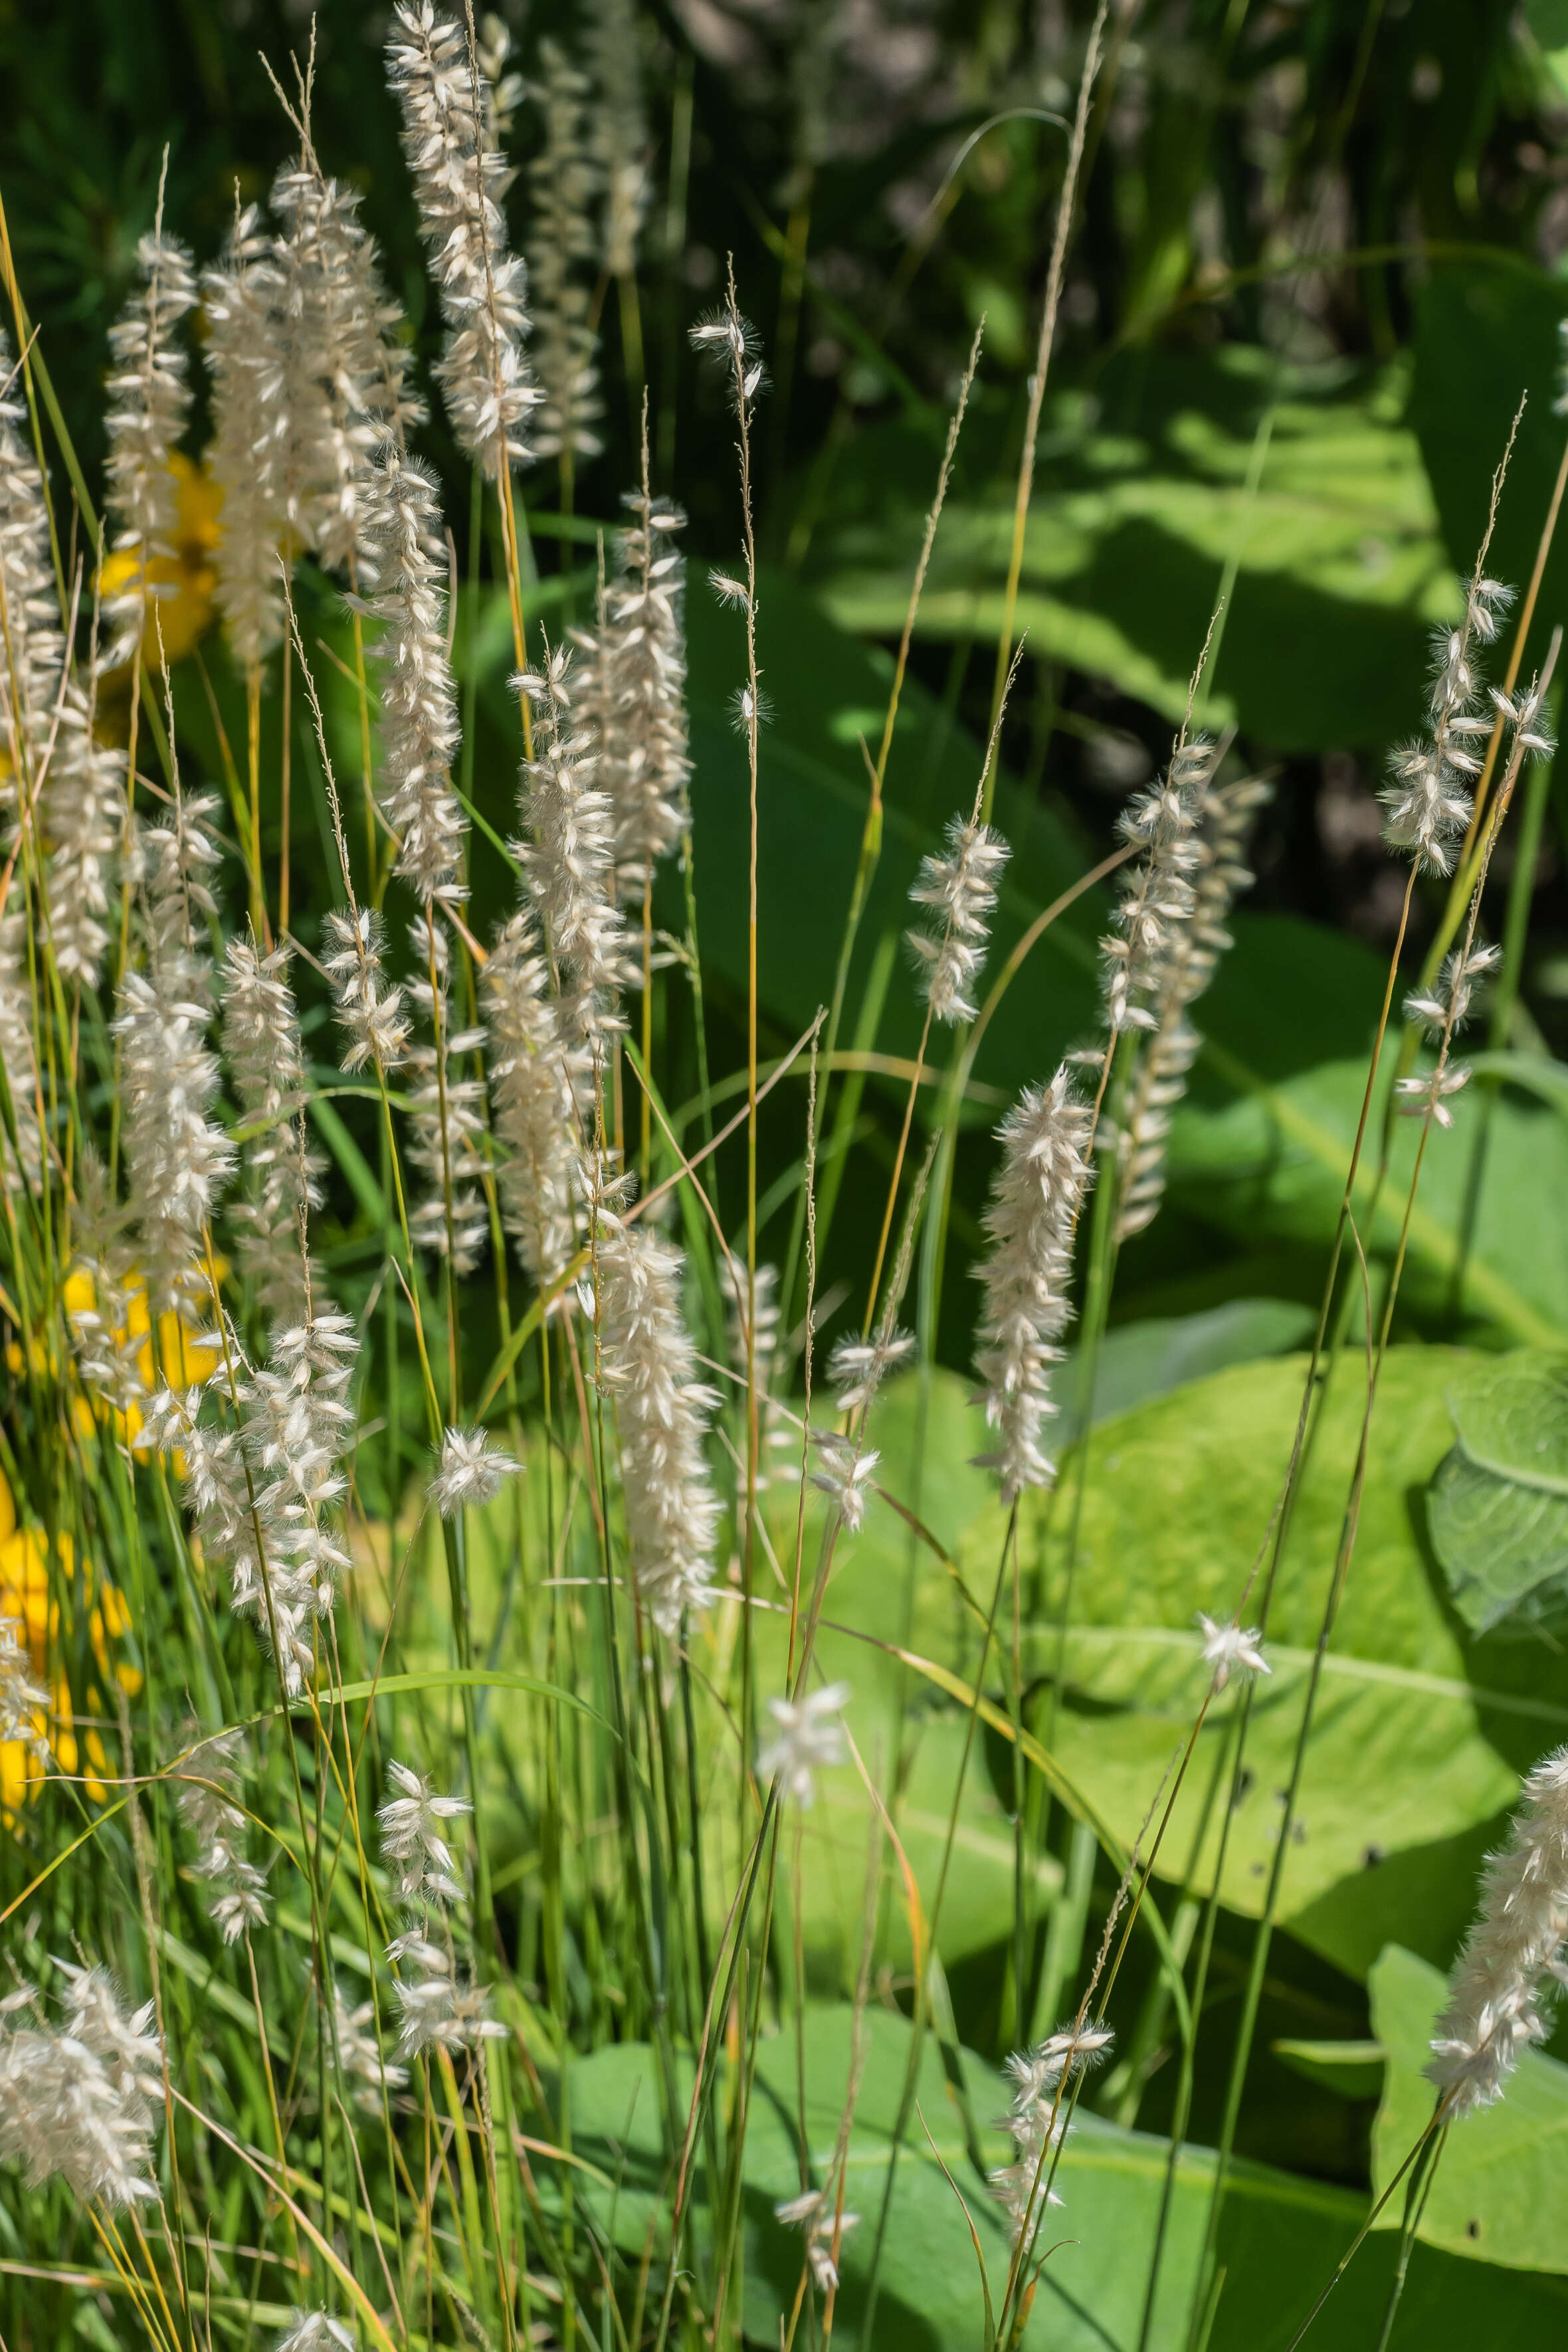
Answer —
960 887
472 1472
21 1141
1510 1962
149 400
1198 940
33 646
569 858
648 1366
371 1009
1428 796
617 128
77 2099
418 702
565 181
484 375
533 1100
1036 2121
217 1824
266 1064
633 694
240 302
445 1114
83 807
1158 899
809 1735
1034 1202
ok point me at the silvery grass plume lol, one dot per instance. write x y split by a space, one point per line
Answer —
484 375
1036 2121
1427 1094
108 1355
1034 1202
21 1138
1219 876
440 2006
240 300
359 2054
149 400
77 2099
569 859
633 694
1158 897
1510 1964
647 1364
341 376
83 803
445 1114
565 181
960 890
1428 796
217 1824
24 1703
500 92
177 1160
266 1066
533 1101
856 1370
774 1436
316 2331
413 1843
264 1479
812 2213
401 531
371 1010
617 131
33 646
473 1470
808 1736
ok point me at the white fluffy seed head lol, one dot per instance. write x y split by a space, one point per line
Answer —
808 1734
959 888
562 257
371 1009
149 400
240 303
569 858
484 375
1505 1974
445 1105
662 1411
1025 1277
33 647
401 530
534 1100
473 1473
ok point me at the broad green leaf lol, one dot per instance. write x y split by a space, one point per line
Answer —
1419 1738
1352 2069
1140 1361
1500 2192
1270 1165
1143 496
1486 336
1498 1508
1281 2239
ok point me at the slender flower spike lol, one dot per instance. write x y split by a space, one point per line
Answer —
812 2213
472 1472
809 1736
1034 1208
1428 794
316 2331
857 1367
1231 1650
1037 2122
960 888
1511 1955
846 1475
1447 1006
371 1009
422 1863
484 376
647 1364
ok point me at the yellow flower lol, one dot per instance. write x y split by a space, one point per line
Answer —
184 581
24 1596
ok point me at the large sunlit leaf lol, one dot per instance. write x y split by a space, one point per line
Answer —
1143 496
